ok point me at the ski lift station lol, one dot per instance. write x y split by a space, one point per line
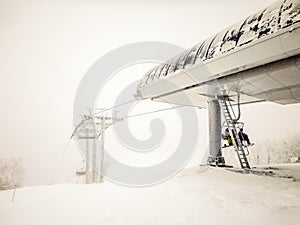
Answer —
254 60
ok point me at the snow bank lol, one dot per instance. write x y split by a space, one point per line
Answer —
216 196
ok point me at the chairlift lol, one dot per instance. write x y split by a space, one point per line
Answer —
81 171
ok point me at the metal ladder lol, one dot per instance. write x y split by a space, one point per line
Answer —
232 124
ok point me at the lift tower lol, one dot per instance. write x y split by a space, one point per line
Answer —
90 129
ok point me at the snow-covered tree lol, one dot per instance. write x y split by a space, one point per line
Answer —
285 150
292 146
10 173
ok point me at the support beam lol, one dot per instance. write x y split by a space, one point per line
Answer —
103 122
94 160
87 163
215 132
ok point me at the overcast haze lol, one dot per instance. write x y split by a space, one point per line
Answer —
47 46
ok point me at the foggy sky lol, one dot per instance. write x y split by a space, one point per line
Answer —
47 46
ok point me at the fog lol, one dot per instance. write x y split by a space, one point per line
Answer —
47 46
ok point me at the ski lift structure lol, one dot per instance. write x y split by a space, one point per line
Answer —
90 129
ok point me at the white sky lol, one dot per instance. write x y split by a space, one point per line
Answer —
47 46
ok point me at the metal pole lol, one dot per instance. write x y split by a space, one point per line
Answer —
94 159
87 162
103 122
215 131
14 193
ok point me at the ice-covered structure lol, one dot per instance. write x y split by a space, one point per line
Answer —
254 60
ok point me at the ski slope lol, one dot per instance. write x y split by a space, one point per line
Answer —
215 196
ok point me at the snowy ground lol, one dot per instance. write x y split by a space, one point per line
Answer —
216 196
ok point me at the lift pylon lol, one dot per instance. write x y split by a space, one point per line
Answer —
90 129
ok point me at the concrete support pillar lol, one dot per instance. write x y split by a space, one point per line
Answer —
215 131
